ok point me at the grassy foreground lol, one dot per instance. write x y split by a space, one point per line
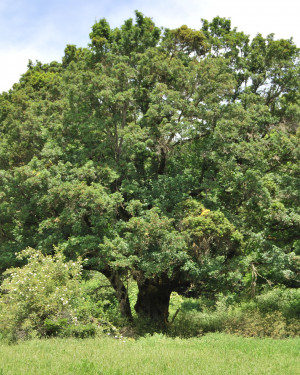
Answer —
210 354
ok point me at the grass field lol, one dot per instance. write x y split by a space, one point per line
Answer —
218 354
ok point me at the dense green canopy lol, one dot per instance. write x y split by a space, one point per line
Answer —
169 156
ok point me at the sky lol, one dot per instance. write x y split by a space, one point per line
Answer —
41 29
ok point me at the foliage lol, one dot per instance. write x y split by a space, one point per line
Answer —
272 314
44 298
102 302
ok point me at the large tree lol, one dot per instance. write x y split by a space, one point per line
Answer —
168 156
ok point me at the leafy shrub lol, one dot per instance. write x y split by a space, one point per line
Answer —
42 298
80 331
287 301
256 324
194 323
272 314
54 327
101 298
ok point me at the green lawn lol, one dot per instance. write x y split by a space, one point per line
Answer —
211 354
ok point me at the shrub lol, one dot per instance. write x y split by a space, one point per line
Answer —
80 331
101 298
256 324
42 298
287 301
272 314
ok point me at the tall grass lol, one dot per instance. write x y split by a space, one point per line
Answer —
211 354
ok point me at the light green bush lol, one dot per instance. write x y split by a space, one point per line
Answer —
43 298
101 299
287 301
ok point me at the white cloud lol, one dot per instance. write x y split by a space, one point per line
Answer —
60 23
15 63
11 67
46 46
264 16
250 16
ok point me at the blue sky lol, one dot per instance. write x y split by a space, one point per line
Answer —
39 29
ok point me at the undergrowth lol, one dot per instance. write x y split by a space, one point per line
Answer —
273 314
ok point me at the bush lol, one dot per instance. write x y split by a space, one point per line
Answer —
287 301
81 331
55 327
256 324
101 298
43 298
272 314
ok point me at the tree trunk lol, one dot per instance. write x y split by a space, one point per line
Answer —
153 301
